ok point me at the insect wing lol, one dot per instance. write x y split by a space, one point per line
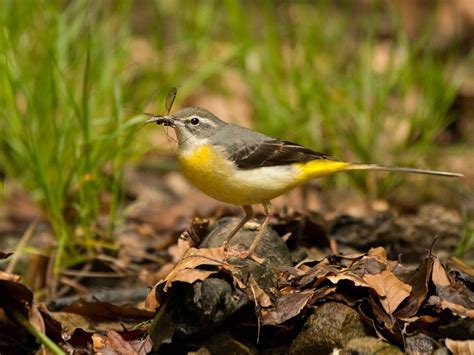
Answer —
170 99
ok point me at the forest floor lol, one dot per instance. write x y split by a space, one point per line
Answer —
363 276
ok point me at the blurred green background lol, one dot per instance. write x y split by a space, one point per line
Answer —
367 81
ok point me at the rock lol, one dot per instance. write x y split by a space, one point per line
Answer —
369 345
461 329
409 235
279 350
200 351
331 325
199 307
271 248
441 351
224 343
420 344
364 233
272 251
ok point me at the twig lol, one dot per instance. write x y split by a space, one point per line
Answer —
95 274
74 284
257 308
333 246
128 295
435 240
65 288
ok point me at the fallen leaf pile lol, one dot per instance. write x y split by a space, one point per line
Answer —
390 296
206 294
391 299
90 326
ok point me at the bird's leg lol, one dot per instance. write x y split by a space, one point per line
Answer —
267 207
248 215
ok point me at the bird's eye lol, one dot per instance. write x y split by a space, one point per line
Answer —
194 121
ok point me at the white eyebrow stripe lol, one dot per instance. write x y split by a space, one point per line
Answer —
206 121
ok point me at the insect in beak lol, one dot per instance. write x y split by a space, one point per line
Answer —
160 120
165 120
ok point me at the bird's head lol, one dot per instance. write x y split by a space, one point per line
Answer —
193 125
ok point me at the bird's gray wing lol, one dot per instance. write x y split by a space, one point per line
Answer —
249 149
273 152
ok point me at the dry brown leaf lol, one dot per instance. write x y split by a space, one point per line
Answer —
373 263
391 290
117 344
460 347
458 298
347 276
105 311
70 322
15 296
99 342
9 277
378 252
237 281
369 265
419 283
206 256
151 303
177 251
113 343
191 237
461 271
193 259
457 309
255 292
286 308
318 272
188 276
439 276
4 255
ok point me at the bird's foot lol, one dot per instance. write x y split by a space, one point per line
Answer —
242 254
234 252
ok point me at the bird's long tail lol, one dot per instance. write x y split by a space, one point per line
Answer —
400 170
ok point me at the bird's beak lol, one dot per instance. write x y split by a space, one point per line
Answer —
160 120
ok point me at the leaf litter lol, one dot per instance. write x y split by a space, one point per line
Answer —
394 297
202 290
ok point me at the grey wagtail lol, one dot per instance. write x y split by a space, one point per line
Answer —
242 167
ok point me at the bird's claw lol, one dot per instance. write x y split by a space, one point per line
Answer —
242 254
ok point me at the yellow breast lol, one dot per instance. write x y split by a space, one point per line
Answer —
209 170
206 169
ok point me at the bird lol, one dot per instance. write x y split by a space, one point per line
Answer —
243 167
